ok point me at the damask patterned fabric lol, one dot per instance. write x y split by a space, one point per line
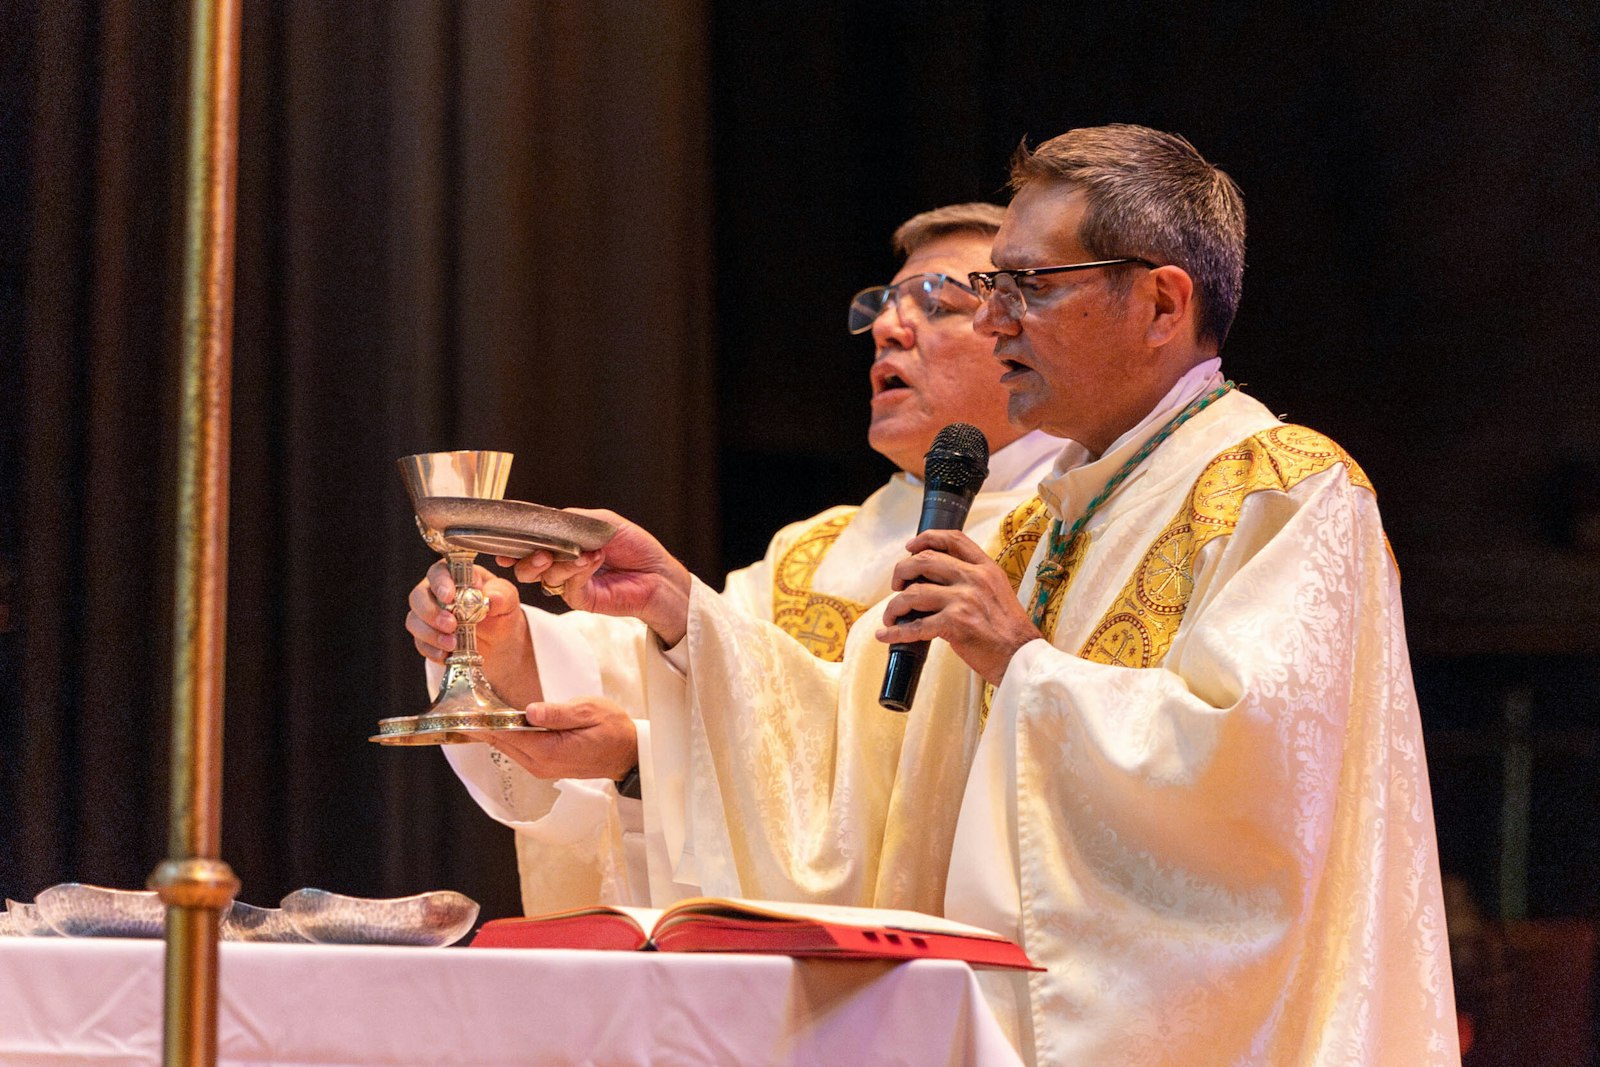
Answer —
1202 803
576 843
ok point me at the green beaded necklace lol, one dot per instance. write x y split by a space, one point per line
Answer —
1052 569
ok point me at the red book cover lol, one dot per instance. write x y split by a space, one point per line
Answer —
723 925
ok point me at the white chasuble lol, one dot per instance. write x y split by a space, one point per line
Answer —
577 842
1201 804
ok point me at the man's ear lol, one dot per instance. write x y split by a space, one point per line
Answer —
1172 304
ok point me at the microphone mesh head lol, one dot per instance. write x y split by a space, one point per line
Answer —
958 462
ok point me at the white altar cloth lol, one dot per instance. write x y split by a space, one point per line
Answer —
97 1002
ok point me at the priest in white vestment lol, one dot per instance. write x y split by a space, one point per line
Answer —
1167 738
577 841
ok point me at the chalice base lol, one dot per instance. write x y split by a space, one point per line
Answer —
467 708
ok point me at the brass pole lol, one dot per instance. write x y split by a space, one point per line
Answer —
193 882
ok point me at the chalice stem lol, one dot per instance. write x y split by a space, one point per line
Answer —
469 608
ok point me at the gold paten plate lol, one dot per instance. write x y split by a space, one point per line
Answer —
512 527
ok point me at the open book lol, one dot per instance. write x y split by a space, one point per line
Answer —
708 924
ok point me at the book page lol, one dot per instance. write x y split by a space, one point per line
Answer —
645 917
871 918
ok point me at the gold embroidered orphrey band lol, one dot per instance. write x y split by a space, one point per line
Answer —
1139 626
818 622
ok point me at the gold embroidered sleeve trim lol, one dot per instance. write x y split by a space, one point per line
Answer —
1139 627
818 622
1020 534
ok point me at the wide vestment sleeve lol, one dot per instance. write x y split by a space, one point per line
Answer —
1227 857
577 842
796 784
799 786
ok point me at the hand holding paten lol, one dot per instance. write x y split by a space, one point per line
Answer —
590 737
631 575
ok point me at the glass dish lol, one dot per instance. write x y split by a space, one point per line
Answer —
438 918
73 909
246 922
26 920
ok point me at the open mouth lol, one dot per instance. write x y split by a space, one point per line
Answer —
885 380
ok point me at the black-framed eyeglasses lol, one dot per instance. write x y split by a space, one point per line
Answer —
932 294
1005 285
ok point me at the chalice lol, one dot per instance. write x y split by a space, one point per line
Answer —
457 500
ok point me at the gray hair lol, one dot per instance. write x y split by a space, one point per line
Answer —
1150 194
974 218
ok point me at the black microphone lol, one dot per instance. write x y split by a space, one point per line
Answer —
953 472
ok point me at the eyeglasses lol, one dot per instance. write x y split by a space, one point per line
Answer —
1005 286
932 294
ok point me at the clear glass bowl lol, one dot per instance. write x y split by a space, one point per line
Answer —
246 922
73 909
438 918
24 920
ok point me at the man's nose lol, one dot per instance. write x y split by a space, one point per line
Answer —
891 329
992 320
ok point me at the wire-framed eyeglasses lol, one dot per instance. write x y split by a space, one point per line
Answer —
934 295
1005 285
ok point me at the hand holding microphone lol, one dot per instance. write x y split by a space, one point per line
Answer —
953 472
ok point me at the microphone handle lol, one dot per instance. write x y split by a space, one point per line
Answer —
941 510
903 671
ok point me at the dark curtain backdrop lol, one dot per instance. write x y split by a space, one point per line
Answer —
617 239
460 225
1420 179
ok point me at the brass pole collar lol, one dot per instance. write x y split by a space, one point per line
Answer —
195 883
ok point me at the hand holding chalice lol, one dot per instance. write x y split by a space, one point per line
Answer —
459 511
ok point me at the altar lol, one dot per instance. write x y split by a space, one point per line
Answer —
96 1002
